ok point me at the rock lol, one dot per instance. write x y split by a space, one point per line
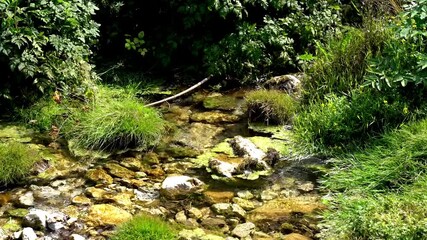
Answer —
198 135
288 83
296 236
243 230
151 158
222 168
177 151
44 192
179 186
218 196
245 204
180 217
12 225
76 237
119 171
195 213
96 193
121 199
214 117
106 214
306 187
229 210
215 224
133 164
146 195
99 176
268 195
36 219
18 212
194 234
254 156
212 237
56 221
81 200
245 194
227 103
26 200
28 234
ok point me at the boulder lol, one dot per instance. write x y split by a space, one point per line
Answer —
222 168
180 186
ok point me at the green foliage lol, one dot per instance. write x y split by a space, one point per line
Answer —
16 161
339 122
380 192
404 60
136 43
144 227
47 42
259 48
45 113
117 120
340 64
271 105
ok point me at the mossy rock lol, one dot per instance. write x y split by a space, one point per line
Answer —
18 212
221 103
273 131
264 143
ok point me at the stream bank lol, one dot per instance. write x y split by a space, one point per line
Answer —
84 195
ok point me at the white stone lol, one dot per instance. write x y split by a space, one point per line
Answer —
76 237
28 234
174 186
27 199
36 219
243 230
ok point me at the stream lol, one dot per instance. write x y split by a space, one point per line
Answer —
85 194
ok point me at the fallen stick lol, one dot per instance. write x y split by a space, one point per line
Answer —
181 93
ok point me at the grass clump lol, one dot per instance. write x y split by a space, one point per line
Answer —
272 106
16 161
117 121
345 122
380 192
145 227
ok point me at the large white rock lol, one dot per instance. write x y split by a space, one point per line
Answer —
36 219
28 234
180 186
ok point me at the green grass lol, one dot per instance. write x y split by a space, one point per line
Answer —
340 123
380 192
16 161
145 227
117 120
271 106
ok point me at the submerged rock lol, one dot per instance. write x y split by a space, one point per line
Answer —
180 186
229 210
214 117
221 102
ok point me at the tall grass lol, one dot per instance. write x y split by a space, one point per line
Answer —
341 63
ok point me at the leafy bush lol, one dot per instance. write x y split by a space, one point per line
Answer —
145 227
16 161
47 42
272 106
116 121
404 60
340 65
380 192
340 122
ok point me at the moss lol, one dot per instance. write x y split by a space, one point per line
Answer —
220 102
271 106
16 161
145 227
264 143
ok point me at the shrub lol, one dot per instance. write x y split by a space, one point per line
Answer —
16 161
47 42
340 65
379 192
339 122
145 227
270 105
117 121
